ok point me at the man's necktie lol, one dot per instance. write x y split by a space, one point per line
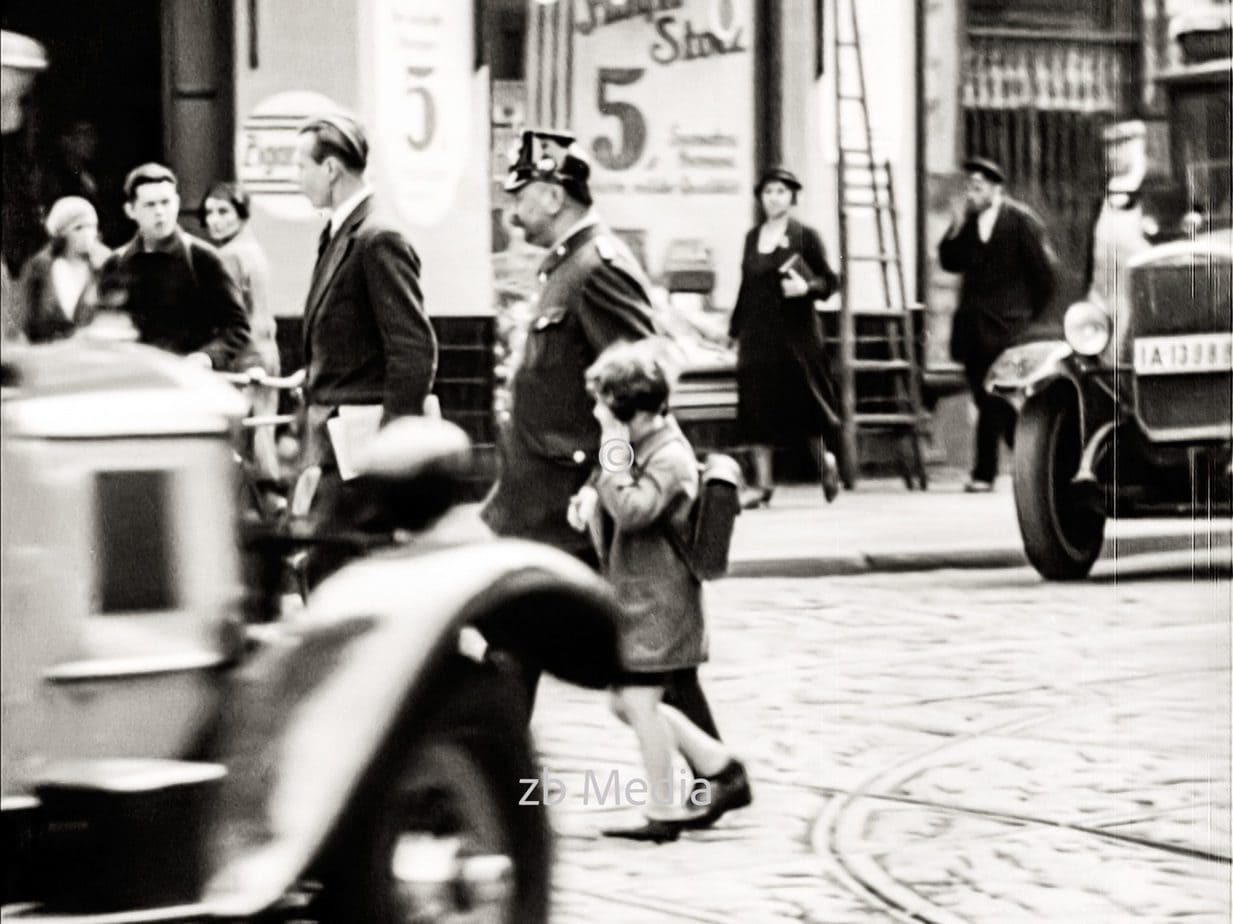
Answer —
323 241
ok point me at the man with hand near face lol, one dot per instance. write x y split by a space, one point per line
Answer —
999 247
592 294
174 287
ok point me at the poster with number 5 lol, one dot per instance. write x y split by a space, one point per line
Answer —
663 106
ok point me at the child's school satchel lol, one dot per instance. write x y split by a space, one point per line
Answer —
712 519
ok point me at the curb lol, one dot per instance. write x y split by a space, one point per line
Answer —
898 561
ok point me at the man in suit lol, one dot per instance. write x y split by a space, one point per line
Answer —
999 246
367 340
173 286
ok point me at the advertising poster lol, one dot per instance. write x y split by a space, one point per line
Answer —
663 106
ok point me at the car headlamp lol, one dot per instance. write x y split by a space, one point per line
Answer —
1087 328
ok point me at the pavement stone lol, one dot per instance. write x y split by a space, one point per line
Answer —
951 737
882 527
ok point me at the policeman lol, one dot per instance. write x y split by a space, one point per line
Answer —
592 293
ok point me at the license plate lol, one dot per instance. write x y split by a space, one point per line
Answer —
1178 355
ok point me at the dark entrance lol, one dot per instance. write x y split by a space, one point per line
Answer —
106 70
153 78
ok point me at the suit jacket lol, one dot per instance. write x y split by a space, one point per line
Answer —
593 293
1007 282
181 299
367 339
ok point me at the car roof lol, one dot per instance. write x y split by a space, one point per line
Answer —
85 388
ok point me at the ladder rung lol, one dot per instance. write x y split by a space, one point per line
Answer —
887 420
851 98
872 258
881 365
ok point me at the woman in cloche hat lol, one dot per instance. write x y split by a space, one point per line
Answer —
783 379
60 282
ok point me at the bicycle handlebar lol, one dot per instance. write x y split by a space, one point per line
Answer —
273 382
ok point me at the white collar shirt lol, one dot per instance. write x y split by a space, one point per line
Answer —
987 219
347 206
590 218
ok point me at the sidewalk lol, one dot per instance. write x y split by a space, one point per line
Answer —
881 526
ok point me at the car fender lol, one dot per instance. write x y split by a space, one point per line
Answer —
316 707
1028 369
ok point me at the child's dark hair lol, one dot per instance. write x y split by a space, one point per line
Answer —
631 377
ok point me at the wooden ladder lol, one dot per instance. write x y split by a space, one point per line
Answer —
878 357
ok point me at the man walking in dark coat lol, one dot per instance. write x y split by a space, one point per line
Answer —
370 352
592 294
180 296
999 246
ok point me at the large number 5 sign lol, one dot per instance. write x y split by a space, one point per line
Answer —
422 138
633 125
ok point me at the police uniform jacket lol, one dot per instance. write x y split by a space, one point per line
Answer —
593 293
1008 281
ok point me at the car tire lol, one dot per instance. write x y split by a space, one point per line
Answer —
1061 536
445 796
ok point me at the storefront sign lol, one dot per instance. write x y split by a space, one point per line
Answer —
265 151
422 102
663 105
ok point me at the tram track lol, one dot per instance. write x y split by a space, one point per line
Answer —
844 816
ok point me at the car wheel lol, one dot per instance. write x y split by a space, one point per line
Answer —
1062 535
440 837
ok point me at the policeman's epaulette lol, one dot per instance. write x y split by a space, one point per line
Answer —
605 248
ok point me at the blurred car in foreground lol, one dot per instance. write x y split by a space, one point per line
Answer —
164 761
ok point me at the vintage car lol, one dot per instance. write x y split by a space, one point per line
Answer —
163 760
1131 416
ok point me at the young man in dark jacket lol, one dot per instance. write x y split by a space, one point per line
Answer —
175 287
999 246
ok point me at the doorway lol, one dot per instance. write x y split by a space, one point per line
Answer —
105 79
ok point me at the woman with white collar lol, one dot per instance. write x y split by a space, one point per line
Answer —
60 283
783 378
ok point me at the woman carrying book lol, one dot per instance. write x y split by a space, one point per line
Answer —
784 383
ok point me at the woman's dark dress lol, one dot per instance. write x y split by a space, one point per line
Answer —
783 376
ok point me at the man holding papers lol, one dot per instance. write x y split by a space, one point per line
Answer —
370 353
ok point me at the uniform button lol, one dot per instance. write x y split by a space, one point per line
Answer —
561 251
543 277
580 457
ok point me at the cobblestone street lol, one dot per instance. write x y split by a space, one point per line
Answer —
936 747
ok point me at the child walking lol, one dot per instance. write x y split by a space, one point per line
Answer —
629 509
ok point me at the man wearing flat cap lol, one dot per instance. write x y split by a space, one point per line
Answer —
21 60
999 246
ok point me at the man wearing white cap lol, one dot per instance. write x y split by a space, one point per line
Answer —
21 59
